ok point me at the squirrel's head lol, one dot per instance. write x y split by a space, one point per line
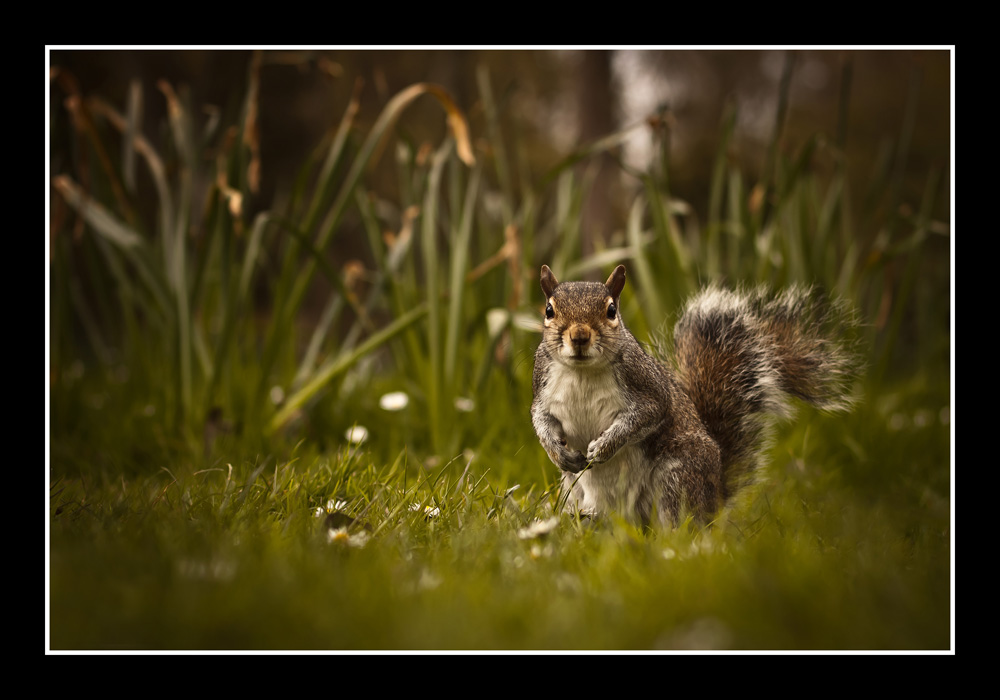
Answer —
582 325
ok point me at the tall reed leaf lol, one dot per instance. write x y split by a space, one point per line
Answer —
380 131
337 366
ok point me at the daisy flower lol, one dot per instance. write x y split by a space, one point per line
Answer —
332 506
429 511
356 434
342 537
394 401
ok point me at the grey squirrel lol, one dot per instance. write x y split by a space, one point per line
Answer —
653 443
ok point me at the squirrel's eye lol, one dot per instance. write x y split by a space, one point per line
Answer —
612 311
549 311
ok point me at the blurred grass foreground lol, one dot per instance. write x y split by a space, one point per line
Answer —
296 417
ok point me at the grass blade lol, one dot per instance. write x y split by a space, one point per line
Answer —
109 226
645 280
102 220
132 123
339 365
459 264
177 256
713 246
153 162
429 229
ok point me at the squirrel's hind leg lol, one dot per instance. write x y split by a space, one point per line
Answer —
689 483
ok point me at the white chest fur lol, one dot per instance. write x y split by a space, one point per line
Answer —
586 401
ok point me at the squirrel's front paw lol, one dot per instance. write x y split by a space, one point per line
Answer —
599 450
567 459
572 461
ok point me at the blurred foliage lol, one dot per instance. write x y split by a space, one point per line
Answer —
230 318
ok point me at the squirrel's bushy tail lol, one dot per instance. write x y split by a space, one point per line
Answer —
741 355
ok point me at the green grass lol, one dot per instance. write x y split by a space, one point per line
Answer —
195 433
816 557
844 544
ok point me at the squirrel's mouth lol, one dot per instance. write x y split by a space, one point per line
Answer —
579 354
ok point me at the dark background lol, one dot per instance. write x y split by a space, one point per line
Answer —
558 99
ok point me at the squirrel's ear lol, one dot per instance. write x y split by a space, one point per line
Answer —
616 282
549 281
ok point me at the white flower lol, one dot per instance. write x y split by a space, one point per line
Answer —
464 405
394 401
539 528
332 506
341 536
356 434
429 512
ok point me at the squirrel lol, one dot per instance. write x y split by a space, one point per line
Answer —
654 442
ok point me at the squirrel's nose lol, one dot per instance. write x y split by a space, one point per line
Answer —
579 335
